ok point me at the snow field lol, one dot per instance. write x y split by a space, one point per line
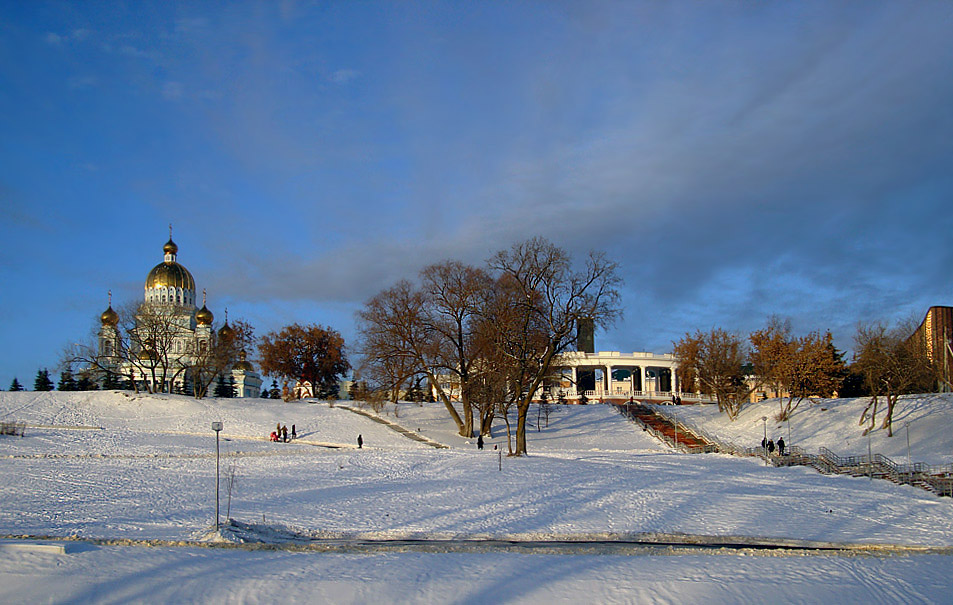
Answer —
148 473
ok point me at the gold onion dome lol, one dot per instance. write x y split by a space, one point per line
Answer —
243 364
109 317
226 331
203 316
170 275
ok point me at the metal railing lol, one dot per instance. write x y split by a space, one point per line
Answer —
931 477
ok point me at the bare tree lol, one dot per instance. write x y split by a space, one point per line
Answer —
717 360
454 297
772 352
816 369
893 362
396 329
546 297
795 368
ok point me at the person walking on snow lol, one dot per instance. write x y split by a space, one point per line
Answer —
360 442
284 433
480 442
780 446
770 446
294 433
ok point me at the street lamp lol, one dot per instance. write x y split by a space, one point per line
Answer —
906 425
217 427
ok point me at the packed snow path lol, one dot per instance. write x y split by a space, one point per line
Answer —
395 427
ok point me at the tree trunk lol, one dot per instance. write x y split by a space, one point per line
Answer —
522 410
467 414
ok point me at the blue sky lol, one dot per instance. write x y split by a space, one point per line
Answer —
737 159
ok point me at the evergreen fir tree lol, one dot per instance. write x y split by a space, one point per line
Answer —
42 381
67 382
221 389
264 393
231 387
111 382
86 382
15 385
275 391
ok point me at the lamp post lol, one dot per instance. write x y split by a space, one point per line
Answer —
217 427
764 441
906 425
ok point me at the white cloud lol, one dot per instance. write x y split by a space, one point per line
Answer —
343 76
172 91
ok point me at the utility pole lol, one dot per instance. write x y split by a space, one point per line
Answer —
217 427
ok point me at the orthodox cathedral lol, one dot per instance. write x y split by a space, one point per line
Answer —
165 352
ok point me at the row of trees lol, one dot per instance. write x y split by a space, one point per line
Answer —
487 336
888 362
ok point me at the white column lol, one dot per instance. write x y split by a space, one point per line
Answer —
608 379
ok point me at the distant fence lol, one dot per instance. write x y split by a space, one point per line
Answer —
12 428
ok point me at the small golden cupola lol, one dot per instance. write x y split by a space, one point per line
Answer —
243 364
109 317
226 331
203 316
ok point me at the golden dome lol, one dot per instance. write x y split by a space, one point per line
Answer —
109 317
170 247
203 316
170 275
243 364
226 331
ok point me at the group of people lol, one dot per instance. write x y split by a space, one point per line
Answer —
769 446
281 433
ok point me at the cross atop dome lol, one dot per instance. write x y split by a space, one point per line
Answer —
170 249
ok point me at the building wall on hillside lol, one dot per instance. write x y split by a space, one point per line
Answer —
936 330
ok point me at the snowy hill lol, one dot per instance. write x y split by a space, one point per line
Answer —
118 466
834 424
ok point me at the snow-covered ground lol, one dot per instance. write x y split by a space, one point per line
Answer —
835 424
124 468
